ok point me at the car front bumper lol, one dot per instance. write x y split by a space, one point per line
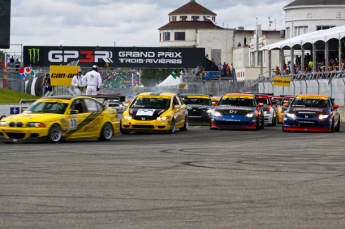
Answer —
148 125
307 125
236 122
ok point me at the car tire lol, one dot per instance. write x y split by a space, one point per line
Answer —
186 125
124 132
172 127
262 123
54 133
337 128
257 127
332 126
106 132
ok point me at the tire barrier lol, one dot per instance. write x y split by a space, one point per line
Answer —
33 86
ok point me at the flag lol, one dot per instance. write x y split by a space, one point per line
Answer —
24 71
173 74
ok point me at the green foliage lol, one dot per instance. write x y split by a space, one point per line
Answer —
151 77
13 97
2 55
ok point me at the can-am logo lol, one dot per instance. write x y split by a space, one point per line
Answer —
34 55
84 56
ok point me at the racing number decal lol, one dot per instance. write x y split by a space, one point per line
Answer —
73 124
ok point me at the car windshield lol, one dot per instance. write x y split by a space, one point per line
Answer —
47 107
158 103
246 102
264 101
198 101
306 102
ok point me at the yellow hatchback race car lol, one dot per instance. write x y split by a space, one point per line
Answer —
155 112
60 118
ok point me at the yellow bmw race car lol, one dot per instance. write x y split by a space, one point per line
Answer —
155 112
60 118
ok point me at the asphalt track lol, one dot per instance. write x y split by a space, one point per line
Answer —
195 179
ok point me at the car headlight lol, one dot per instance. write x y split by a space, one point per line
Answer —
217 114
36 124
323 116
163 118
3 123
265 112
127 117
249 115
291 115
209 111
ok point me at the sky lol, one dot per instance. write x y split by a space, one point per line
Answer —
124 23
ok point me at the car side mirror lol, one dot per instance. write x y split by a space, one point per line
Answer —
74 112
335 106
286 104
176 106
260 105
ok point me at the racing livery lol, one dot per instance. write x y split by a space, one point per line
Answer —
60 118
269 108
199 106
238 111
155 112
312 113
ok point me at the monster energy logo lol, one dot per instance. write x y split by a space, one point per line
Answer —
34 54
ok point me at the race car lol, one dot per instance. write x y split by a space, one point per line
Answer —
199 106
269 109
312 113
155 112
59 118
238 111
281 108
215 100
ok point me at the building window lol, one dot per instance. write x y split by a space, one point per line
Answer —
180 36
287 32
183 18
195 18
173 18
214 19
299 30
323 27
166 36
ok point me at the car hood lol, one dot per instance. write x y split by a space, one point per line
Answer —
31 117
149 112
308 110
235 109
191 106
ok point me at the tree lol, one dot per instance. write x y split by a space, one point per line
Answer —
151 77
2 54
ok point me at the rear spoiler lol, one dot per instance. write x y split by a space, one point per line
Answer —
104 99
27 101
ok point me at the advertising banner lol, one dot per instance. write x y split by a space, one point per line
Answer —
62 75
281 81
125 57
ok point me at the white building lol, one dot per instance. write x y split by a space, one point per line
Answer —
303 16
193 25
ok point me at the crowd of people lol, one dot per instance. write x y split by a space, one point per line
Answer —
333 65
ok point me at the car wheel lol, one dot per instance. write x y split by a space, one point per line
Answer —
185 126
4 116
257 127
54 133
332 126
172 127
106 133
337 128
124 131
262 123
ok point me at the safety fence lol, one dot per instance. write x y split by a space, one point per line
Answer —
331 84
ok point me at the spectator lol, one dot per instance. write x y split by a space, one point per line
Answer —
12 62
8 60
17 64
47 84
